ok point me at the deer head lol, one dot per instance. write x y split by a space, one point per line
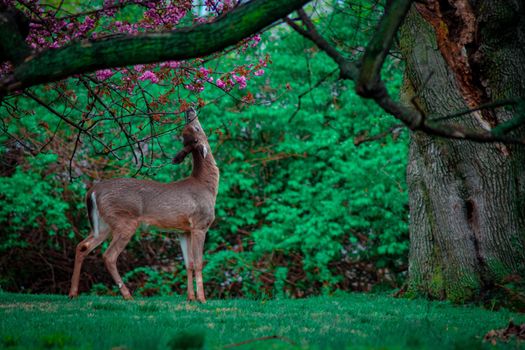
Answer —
193 137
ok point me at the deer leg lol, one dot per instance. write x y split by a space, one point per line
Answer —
83 249
197 246
188 262
111 255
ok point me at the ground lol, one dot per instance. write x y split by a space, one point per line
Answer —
343 321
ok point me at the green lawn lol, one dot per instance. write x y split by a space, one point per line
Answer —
346 321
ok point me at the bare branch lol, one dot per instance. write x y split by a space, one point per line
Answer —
315 86
115 118
369 83
285 339
379 46
348 69
68 121
394 130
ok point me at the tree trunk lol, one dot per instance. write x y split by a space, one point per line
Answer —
467 200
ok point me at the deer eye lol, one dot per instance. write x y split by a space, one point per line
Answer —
195 141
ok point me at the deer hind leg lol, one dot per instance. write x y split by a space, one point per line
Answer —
121 238
197 246
188 262
83 249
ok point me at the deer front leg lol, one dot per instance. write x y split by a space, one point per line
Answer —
83 249
197 245
188 262
111 255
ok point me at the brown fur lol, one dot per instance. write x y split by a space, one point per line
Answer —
187 205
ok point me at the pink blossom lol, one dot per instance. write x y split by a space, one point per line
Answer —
220 84
241 80
160 14
256 39
197 87
89 24
104 74
149 75
138 67
259 72
170 64
204 71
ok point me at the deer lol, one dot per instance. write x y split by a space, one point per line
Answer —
117 207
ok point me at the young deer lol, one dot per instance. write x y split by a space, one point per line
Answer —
118 206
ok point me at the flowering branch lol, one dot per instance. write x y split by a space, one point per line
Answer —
197 41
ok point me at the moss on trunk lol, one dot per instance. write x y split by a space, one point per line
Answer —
467 213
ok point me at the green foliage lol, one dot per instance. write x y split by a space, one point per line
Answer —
152 281
32 200
293 181
301 209
344 321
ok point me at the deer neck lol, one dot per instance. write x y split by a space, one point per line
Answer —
205 170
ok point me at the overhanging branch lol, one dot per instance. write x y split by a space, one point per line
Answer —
367 75
197 41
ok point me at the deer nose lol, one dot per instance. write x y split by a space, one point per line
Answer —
188 140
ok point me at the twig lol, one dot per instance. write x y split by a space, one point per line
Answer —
118 6
77 141
496 104
270 337
122 128
316 85
358 140
68 121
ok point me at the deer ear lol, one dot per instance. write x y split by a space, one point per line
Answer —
203 151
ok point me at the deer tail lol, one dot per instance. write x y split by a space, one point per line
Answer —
93 213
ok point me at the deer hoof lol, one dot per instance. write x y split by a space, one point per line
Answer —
73 295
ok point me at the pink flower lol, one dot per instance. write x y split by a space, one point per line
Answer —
241 80
256 39
220 84
259 72
149 75
104 74
195 87
204 72
170 64
138 67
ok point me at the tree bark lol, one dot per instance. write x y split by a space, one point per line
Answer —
467 200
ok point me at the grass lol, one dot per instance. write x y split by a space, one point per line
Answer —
345 321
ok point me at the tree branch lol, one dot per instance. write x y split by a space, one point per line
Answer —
394 130
304 93
348 69
197 41
379 46
369 84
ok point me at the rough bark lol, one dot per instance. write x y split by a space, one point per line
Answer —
467 200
